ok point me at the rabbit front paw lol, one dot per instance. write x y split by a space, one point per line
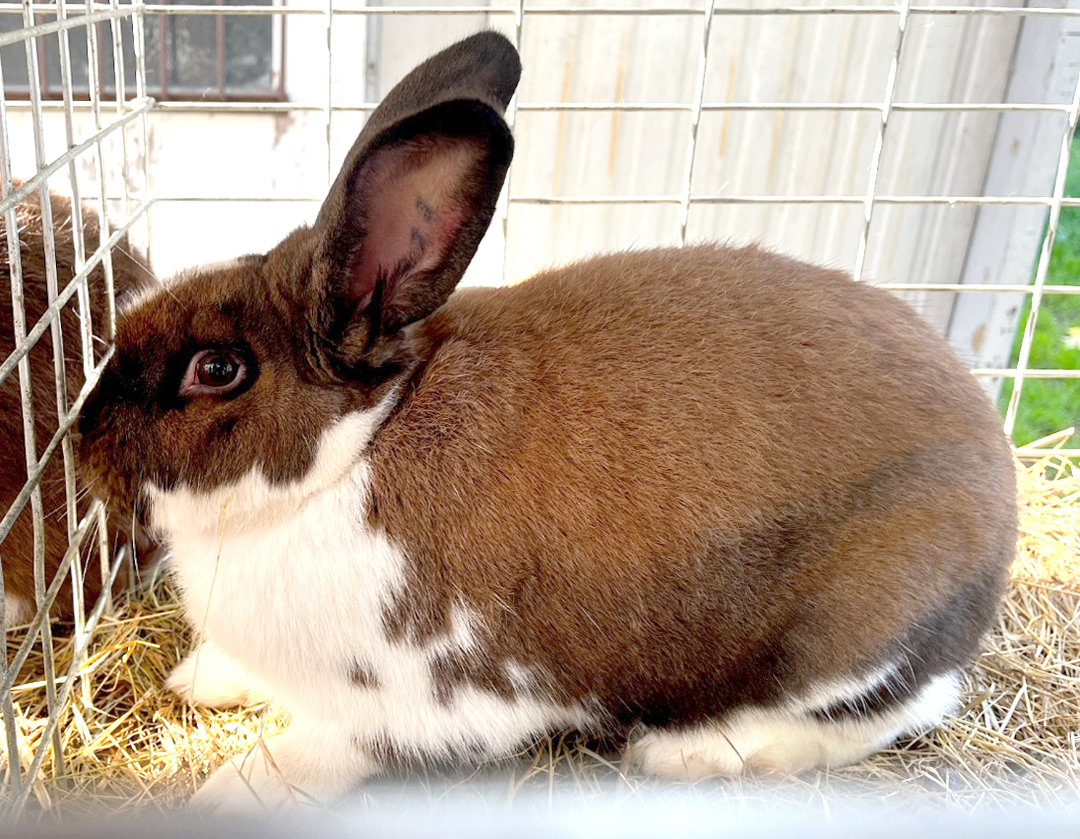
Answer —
210 678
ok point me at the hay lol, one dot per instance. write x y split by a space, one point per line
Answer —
127 744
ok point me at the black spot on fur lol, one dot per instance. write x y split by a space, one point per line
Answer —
447 674
362 675
453 670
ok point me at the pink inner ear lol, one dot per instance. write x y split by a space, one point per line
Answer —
410 193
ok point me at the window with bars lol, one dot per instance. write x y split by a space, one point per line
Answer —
204 57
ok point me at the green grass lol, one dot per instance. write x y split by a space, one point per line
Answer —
1047 406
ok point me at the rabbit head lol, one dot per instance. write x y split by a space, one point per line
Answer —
241 368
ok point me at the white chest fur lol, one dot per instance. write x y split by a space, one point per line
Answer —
293 583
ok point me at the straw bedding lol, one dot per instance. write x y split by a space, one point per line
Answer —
128 745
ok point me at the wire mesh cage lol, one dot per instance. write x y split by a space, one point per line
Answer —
923 147
61 255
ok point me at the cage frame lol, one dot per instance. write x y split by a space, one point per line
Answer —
127 112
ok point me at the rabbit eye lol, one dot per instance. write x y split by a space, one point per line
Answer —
214 372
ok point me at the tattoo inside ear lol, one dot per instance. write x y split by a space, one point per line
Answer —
426 210
422 237
418 199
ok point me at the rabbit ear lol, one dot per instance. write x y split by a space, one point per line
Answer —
418 189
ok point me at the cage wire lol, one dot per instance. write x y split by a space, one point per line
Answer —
106 165
74 293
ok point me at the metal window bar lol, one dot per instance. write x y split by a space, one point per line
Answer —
138 27
162 92
254 106
695 119
329 102
6 704
973 200
879 142
275 92
341 7
86 336
120 77
142 108
357 7
94 61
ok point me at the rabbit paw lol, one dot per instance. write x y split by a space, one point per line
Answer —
208 677
250 784
301 767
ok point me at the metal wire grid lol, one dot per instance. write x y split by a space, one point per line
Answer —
131 113
685 198
106 121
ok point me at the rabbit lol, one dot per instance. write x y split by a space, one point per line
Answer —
131 275
742 511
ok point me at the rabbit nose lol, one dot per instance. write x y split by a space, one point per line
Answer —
112 389
90 416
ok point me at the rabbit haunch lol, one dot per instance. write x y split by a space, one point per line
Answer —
653 452
742 508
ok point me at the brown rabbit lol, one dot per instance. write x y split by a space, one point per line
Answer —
743 510
130 274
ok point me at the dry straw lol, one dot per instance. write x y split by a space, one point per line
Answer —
129 745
